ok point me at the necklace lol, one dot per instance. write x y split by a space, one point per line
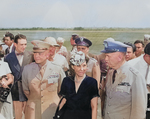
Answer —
79 80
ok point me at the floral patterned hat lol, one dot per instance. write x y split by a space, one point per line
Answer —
77 58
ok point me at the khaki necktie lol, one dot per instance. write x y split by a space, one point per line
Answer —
42 72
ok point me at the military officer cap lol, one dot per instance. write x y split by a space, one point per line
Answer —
147 49
146 37
114 46
51 41
81 41
40 46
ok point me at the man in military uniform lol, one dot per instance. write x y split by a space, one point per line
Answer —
41 84
125 86
93 69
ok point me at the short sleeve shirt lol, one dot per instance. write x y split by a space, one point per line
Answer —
4 68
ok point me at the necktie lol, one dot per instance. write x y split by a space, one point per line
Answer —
113 77
42 72
20 53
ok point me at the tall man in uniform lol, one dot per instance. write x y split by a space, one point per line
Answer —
41 84
16 61
125 86
93 69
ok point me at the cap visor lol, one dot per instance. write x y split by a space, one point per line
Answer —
106 51
38 51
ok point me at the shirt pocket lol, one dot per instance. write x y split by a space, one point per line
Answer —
123 89
124 94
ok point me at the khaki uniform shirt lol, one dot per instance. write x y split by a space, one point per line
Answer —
126 97
42 92
93 69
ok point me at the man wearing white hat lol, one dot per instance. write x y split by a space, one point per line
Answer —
41 82
62 50
125 86
53 56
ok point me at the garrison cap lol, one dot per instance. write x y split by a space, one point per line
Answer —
147 49
40 46
83 42
114 46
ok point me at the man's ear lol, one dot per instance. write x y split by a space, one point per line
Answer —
15 44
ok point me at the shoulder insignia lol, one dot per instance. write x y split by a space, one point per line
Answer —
133 70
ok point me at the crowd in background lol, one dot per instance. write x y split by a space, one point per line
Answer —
38 79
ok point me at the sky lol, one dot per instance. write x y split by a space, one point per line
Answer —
74 13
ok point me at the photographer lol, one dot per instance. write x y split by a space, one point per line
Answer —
6 79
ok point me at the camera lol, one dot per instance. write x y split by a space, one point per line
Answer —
4 92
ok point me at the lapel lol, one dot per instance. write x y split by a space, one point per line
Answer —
13 48
6 51
35 71
48 70
14 61
26 58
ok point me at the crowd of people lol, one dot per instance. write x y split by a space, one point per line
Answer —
41 83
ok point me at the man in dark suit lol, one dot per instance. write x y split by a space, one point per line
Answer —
17 60
9 41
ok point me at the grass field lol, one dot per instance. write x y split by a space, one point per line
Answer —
97 37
